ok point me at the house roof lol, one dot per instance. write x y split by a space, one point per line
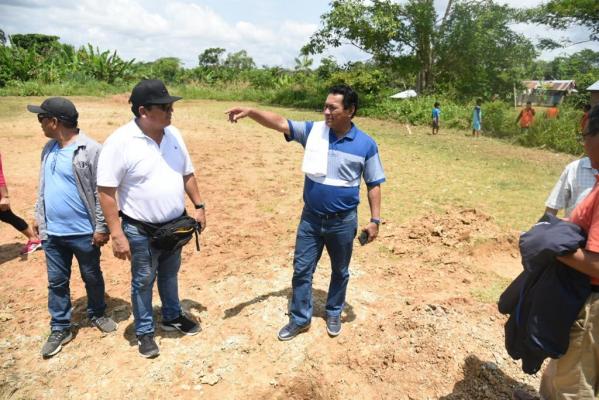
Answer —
559 85
594 86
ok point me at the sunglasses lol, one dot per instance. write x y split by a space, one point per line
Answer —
163 107
41 117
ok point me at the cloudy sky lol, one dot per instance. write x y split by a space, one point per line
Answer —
271 31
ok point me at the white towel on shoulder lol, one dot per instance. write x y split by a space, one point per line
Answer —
316 153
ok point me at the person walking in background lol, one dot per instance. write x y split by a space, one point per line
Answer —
436 116
477 116
69 219
337 156
6 215
552 112
526 116
585 116
147 163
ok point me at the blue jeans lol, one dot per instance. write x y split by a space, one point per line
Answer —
148 264
313 234
59 258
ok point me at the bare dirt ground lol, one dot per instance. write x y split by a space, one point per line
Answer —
420 321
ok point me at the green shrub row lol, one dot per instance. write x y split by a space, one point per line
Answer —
499 118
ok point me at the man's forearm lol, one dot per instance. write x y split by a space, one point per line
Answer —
374 200
191 188
583 261
270 120
107 197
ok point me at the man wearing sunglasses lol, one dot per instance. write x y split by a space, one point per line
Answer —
69 219
147 164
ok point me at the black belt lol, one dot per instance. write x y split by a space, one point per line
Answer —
595 288
147 228
336 215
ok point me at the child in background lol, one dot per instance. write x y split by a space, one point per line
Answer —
477 116
436 115
526 116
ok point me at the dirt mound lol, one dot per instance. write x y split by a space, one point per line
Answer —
454 229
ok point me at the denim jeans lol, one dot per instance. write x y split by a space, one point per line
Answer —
59 258
313 234
148 264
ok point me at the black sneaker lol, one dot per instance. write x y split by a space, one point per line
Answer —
333 325
182 324
291 330
147 346
55 341
104 324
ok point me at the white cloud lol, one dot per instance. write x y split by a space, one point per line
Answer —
271 32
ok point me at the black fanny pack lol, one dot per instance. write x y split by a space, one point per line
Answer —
171 235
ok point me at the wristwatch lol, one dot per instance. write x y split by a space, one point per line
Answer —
200 206
375 221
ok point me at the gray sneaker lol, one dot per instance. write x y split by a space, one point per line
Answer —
104 324
333 325
55 341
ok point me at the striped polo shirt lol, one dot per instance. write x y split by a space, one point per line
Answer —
350 158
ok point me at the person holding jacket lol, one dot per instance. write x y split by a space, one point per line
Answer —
575 375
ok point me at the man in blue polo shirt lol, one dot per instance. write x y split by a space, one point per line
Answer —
337 154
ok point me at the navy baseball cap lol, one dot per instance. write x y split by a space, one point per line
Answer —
151 91
58 107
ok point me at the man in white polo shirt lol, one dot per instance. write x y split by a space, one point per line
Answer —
147 164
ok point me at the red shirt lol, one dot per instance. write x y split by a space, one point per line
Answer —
527 115
552 112
586 215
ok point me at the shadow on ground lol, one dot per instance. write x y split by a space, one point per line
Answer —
10 251
319 302
484 380
186 304
117 309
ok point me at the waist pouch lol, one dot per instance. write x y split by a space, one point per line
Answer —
171 235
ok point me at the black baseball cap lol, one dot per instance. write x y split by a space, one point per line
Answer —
151 91
57 107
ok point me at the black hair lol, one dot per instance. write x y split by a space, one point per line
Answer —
68 124
350 97
592 127
586 107
436 104
479 101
